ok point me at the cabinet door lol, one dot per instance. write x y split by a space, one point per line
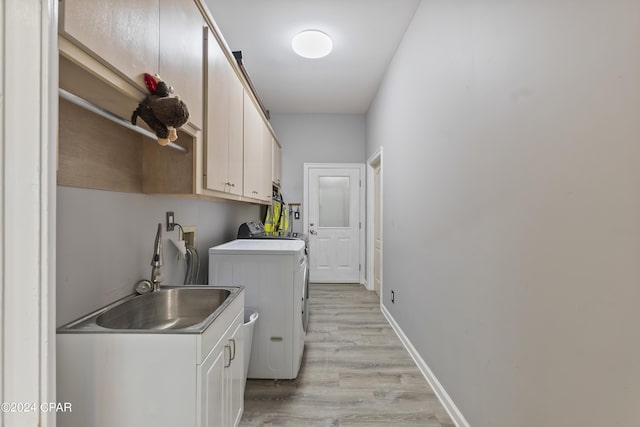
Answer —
123 34
277 163
266 164
221 378
257 153
236 133
253 149
181 53
223 127
235 374
213 402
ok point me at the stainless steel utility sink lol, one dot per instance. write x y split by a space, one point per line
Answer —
165 309
175 309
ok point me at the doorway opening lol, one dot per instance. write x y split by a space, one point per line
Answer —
374 222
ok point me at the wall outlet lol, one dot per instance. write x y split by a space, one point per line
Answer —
170 221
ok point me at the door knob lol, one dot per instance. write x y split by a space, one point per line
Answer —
313 232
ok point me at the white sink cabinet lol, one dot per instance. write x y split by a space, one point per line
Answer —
154 379
221 382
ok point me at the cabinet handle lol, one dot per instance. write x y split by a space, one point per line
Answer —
227 347
233 352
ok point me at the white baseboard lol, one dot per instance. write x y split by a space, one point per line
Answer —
441 393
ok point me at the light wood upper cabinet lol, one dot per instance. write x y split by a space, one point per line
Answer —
252 148
224 122
105 49
266 163
277 162
180 54
257 153
134 37
123 34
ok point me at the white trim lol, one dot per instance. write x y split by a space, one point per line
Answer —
27 207
376 158
3 60
441 393
362 219
49 112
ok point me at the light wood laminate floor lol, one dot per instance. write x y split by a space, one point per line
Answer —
355 372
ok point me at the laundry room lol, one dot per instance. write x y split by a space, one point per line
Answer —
364 212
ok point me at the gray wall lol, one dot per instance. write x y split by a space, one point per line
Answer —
510 134
105 242
316 138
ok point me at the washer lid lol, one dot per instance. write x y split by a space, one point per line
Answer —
259 246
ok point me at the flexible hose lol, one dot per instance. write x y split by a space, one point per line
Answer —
188 260
193 266
196 267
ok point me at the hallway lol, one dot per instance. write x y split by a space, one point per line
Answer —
355 372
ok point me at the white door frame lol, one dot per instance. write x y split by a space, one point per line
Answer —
305 210
28 124
375 159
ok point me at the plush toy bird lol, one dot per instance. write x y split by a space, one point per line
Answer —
161 110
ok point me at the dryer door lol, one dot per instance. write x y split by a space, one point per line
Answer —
305 297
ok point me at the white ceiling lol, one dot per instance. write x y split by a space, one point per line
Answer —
365 36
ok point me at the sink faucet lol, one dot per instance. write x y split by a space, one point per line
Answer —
157 261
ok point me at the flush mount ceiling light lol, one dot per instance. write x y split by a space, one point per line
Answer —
312 44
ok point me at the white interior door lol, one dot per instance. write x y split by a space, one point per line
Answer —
333 222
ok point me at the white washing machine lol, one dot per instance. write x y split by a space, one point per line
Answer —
275 276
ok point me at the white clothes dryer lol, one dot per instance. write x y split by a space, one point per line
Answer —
275 276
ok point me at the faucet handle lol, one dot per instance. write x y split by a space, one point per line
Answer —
158 278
